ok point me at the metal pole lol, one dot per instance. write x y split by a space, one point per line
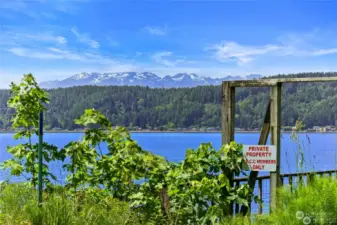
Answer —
40 156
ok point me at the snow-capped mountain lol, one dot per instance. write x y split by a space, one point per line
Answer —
141 79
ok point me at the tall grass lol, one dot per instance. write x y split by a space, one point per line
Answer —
316 203
18 206
312 204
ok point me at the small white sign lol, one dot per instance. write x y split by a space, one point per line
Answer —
260 157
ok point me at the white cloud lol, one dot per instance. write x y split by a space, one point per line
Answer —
59 54
324 51
33 54
309 44
47 37
85 39
17 37
156 30
290 45
26 8
231 50
161 58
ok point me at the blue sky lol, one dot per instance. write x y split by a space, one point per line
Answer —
54 39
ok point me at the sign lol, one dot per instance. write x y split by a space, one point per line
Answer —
260 157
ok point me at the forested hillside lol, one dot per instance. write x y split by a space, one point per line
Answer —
131 106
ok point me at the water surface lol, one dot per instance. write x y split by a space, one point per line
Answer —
319 150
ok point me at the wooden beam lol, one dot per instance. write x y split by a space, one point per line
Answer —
275 127
252 83
275 81
228 113
262 141
227 124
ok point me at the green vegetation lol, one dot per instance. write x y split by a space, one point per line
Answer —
313 103
316 202
28 100
194 191
18 206
129 185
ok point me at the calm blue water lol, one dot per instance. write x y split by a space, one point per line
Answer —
320 150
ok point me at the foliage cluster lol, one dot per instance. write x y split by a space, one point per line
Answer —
28 100
194 191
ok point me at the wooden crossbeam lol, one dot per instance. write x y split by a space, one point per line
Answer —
274 81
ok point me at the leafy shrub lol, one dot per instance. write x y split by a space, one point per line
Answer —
197 190
28 100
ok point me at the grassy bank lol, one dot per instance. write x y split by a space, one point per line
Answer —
313 204
18 205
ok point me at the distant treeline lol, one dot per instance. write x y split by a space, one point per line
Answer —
144 107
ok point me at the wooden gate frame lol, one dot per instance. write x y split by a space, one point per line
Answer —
274 125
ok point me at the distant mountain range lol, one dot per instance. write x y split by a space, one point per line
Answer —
141 79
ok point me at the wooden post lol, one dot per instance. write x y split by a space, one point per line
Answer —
237 206
227 124
262 141
275 127
228 113
260 195
300 179
310 178
164 199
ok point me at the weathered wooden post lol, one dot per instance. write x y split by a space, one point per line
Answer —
227 124
275 128
228 113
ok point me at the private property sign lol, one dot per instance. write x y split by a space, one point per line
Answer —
260 157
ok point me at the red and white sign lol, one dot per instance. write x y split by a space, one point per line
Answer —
260 157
